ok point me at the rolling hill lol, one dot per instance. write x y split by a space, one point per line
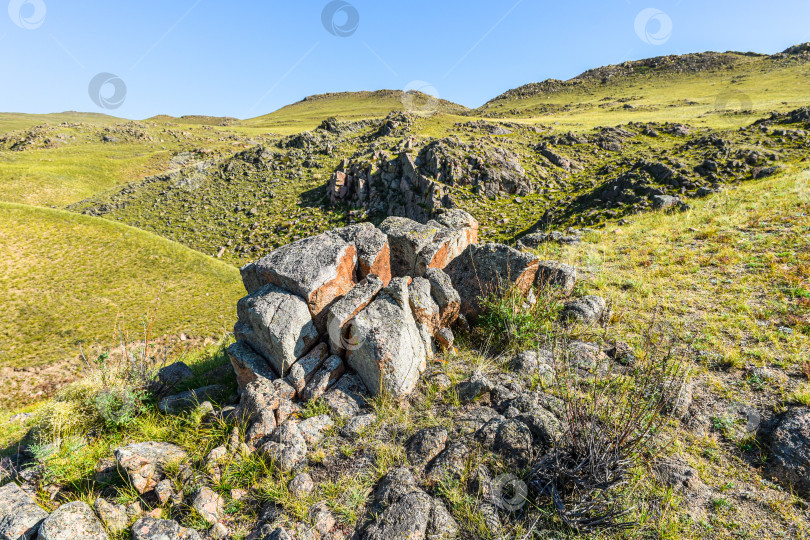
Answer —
69 279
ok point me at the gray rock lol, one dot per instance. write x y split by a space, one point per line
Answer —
286 447
390 353
790 450
209 504
445 338
622 353
190 399
373 253
346 308
473 388
145 462
345 398
476 418
510 438
556 274
248 364
535 240
114 516
586 310
259 400
545 428
531 363
415 247
408 512
318 269
304 368
665 201
278 325
485 269
149 528
278 534
164 490
301 486
329 372
450 463
357 425
262 423
445 296
71 521
172 376
425 310
322 518
677 474
426 444
313 428
20 517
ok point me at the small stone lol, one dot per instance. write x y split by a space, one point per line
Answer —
219 532
313 428
445 338
172 376
586 310
286 446
209 504
470 390
145 462
426 444
190 399
322 518
114 516
150 528
357 425
301 486
331 370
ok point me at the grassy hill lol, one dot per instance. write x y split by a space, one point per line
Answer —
69 279
311 111
721 90
17 121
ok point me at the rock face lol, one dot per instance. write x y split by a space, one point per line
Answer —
145 462
71 521
790 448
318 269
483 269
278 324
415 247
20 517
445 296
345 309
373 253
390 354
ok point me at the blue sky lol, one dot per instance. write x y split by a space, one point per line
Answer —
242 58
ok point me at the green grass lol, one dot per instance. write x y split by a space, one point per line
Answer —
69 279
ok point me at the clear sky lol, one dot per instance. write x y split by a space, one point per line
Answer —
246 58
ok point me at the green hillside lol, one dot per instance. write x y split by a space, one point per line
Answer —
311 111
16 121
722 90
69 279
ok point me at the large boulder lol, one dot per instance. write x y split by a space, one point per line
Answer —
415 247
20 517
373 253
484 269
390 353
318 269
790 450
277 324
72 521
145 462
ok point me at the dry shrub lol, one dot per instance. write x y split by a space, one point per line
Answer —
612 423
